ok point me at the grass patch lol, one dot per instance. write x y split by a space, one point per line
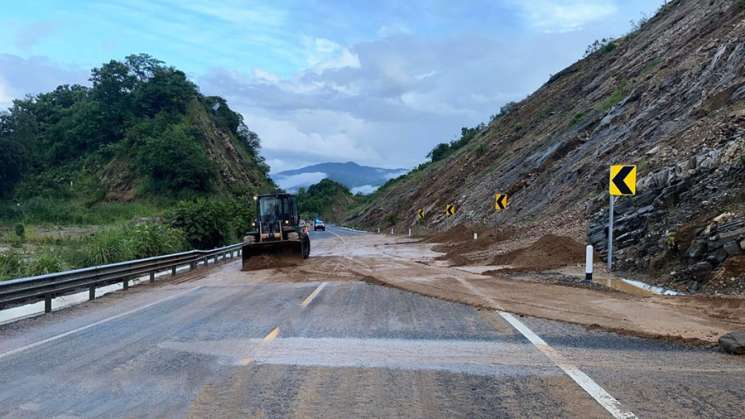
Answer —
64 212
576 119
618 95
112 244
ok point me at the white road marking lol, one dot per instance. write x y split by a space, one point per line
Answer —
613 406
98 323
609 403
313 295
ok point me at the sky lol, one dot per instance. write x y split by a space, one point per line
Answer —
379 83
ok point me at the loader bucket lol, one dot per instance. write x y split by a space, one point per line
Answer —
272 254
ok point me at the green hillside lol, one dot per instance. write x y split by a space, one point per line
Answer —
326 199
81 167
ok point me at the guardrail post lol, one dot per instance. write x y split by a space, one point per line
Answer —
92 293
152 277
47 303
173 271
206 261
192 265
125 284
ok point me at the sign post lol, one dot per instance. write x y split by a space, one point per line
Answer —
622 183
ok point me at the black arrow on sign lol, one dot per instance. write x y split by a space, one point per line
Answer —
620 180
501 203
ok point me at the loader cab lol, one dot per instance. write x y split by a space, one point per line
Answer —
279 208
276 216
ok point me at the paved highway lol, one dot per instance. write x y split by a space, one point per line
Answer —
222 344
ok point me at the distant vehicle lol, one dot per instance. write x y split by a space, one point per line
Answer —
277 229
319 225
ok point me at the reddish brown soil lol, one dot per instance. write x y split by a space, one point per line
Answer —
271 262
549 252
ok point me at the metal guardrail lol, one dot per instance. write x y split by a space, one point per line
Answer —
46 287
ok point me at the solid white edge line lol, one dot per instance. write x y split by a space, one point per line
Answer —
313 295
608 402
98 323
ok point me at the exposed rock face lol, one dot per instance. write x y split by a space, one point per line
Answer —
670 98
668 221
733 343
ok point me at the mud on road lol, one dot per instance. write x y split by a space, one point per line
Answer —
413 266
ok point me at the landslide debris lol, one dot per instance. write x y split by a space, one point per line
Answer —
668 97
549 252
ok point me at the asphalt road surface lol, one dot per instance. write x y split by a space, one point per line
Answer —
224 345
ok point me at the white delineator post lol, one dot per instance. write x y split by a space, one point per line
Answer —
475 235
588 263
409 232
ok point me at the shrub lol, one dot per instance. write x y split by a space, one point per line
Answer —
122 243
153 239
176 161
11 265
20 231
46 263
603 46
208 224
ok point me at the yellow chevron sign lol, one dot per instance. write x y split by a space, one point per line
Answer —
420 213
450 210
622 180
502 200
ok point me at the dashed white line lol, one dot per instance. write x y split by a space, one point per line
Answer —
98 323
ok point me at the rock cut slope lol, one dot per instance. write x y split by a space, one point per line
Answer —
669 97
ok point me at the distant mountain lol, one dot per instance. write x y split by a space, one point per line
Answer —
359 179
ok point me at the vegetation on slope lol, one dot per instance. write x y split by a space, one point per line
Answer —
326 199
141 158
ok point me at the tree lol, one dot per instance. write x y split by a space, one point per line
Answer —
439 152
143 66
12 164
175 161
167 90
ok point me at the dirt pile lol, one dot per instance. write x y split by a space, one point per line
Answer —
549 252
460 248
260 262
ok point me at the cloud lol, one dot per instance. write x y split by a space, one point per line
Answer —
406 95
323 54
302 180
22 76
365 189
5 97
564 15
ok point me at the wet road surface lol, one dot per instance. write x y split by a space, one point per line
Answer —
227 346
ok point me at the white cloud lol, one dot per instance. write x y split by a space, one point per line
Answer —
5 98
393 30
265 76
323 54
365 189
564 15
302 180
404 97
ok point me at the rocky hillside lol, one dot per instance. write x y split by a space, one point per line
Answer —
669 97
142 130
